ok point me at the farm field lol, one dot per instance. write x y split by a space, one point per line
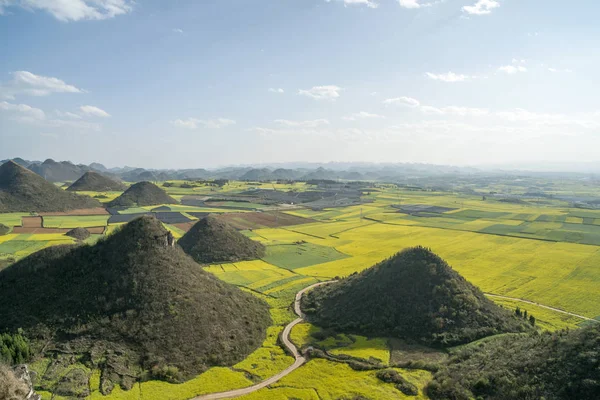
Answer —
547 254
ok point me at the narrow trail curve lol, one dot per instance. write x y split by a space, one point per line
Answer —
542 306
285 337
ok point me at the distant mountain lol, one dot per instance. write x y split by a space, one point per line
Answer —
142 194
412 295
257 175
321 174
98 167
132 306
551 366
134 175
95 182
22 190
211 240
62 171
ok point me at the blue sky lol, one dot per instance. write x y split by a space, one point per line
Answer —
180 84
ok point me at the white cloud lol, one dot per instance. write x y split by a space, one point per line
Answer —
414 4
367 3
329 92
302 124
177 30
26 114
27 83
450 77
93 111
73 10
276 90
362 115
22 110
410 3
402 101
67 114
512 69
194 123
457 111
482 7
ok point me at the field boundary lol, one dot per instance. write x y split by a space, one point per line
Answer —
542 306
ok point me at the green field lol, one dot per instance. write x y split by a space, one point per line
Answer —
541 253
293 256
78 221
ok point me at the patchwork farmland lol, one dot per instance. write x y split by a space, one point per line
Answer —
541 258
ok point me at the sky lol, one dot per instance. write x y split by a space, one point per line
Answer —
208 83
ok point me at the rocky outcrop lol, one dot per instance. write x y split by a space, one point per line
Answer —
23 374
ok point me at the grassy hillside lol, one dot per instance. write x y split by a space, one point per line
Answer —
95 182
214 241
142 194
132 307
553 366
413 294
23 190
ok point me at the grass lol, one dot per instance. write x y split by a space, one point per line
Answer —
333 381
268 360
368 349
103 197
293 256
12 219
79 221
546 319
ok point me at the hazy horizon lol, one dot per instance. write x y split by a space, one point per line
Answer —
187 84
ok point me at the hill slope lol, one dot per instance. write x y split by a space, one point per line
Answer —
414 295
135 300
213 241
142 194
23 190
95 182
551 366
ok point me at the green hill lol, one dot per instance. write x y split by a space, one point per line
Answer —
4 229
412 295
142 194
95 182
214 241
23 190
131 306
552 366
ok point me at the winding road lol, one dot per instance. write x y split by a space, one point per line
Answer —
285 337
542 306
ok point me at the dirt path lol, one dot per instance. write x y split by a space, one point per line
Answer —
542 306
285 337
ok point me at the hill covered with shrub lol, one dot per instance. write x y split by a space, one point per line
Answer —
414 295
211 240
24 191
561 365
132 306
142 194
96 182
78 233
